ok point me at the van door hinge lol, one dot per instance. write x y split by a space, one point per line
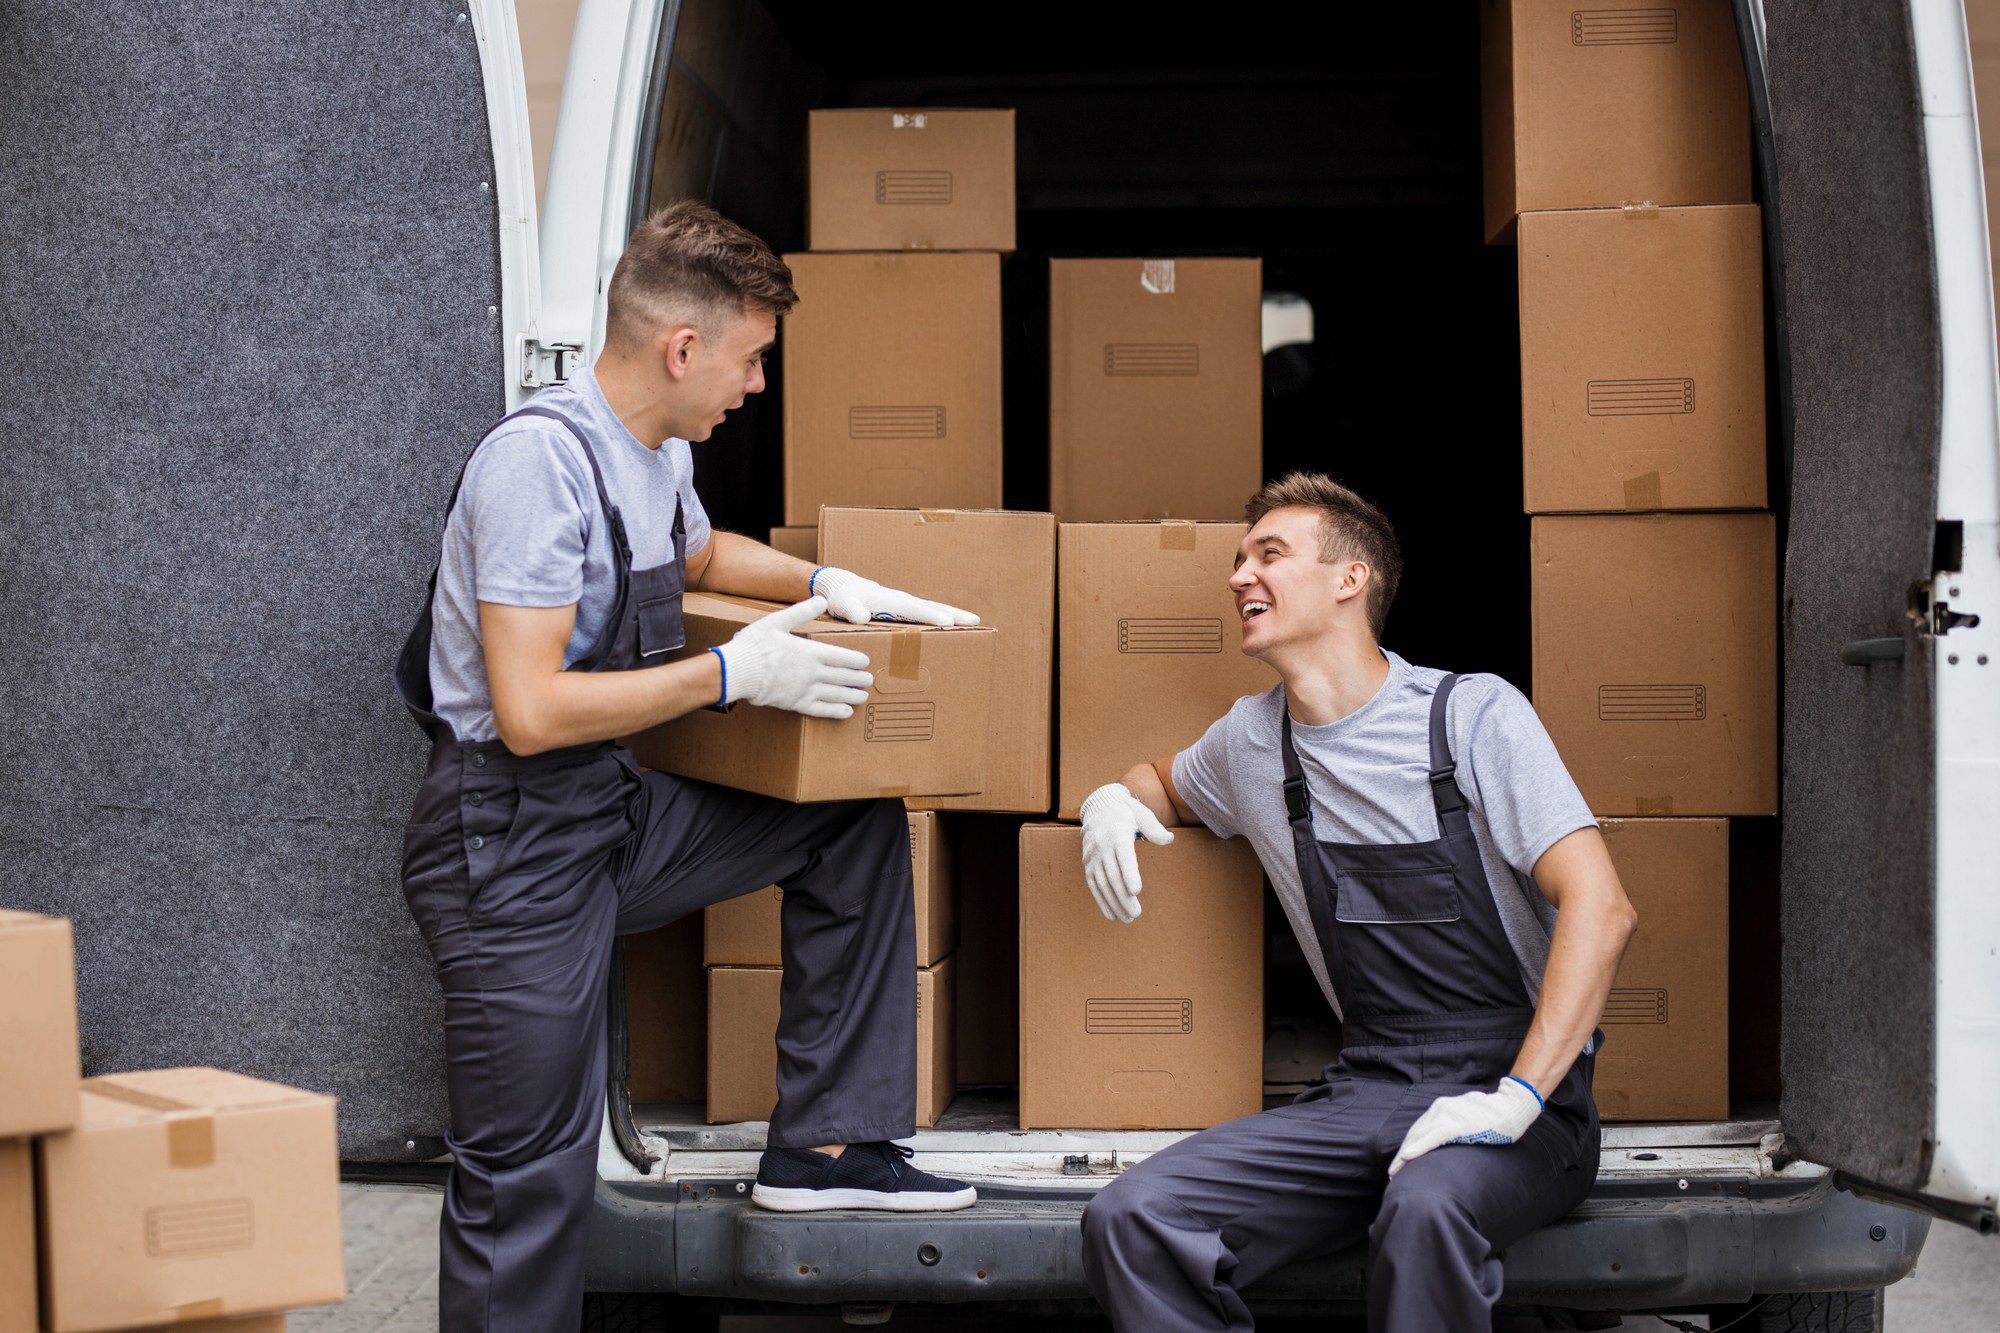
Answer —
543 364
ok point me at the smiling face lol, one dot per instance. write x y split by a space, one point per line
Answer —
713 375
1286 595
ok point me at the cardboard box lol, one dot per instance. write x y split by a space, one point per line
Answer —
989 954
1150 648
1642 359
189 1194
746 931
742 1051
922 730
1154 1025
1002 567
665 998
1622 101
1656 659
801 542
37 1024
1156 387
892 382
255 1323
18 1278
925 178
1666 1026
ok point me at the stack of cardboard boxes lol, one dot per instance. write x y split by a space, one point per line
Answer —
1618 160
193 1198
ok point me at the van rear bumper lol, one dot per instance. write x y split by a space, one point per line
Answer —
1634 1245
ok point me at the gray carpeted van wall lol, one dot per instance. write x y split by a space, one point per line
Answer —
246 274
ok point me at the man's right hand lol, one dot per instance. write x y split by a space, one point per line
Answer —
768 665
1113 819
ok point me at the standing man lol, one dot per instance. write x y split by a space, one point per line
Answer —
1421 833
535 840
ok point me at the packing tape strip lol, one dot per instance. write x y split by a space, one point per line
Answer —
1643 491
1653 805
208 1309
1639 210
903 790
1177 534
906 654
190 1139
937 516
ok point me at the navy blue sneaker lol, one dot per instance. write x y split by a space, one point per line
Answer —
866 1175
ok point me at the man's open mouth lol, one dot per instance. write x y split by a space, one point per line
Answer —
1251 610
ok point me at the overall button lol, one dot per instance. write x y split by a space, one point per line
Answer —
478 760
477 842
477 798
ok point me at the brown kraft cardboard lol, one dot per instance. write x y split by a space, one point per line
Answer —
1655 659
1001 566
1158 1024
666 997
743 1057
921 178
1666 1025
18 1279
801 542
38 1092
1616 103
1156 399
922 729
747 931
1150 646
189 1194
1642 359
892 382
988 849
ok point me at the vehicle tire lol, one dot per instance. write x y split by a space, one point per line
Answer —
1820 1312
643 1312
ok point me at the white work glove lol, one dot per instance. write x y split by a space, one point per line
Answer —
1497 1118
1113 819
767 664
858 601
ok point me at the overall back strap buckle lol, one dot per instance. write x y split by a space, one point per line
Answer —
1296 804
1444 790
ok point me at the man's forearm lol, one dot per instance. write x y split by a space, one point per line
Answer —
745 567
578 707
1144 781
1590 937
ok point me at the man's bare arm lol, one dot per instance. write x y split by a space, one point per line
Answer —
1153 784
538 706
1593 924
746 567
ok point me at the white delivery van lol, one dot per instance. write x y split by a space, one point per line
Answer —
269 272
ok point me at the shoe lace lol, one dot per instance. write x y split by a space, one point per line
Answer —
896 1154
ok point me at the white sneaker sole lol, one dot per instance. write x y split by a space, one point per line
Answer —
823 1201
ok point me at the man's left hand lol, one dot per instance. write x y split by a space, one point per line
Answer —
858 601
1499 1117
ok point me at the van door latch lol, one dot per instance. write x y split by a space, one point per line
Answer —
543 364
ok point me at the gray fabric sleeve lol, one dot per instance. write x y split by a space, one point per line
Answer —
524 505
693 515
1509 770
1201 776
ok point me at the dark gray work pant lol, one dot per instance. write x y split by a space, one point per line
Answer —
1170 1244
520 872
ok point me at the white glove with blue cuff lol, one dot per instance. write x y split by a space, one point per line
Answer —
768 665
858 601
1113 819
1498 1117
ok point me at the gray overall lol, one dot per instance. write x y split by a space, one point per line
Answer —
1433 1005
521 870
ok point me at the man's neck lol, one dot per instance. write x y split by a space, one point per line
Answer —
634 398
1331 677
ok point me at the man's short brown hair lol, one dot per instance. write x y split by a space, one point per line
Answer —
1349 529
688 264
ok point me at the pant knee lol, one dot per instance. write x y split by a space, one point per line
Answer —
1118 1216
1425 1215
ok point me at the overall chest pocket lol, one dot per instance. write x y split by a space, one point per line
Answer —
659 609
1417 895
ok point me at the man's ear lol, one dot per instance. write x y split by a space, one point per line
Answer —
1354 579
676 347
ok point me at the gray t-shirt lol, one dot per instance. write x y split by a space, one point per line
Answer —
1369 777
528 531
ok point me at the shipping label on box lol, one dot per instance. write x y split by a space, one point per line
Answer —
743 1059
1150 651
1001 566
923 178
747 931
189 1194
1666 1025
1655 659
1611 104
892 382
922 729
1156 398
1158 1024
38 1093
1642 359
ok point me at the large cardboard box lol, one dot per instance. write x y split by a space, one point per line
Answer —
989 948
802 542
1666 1025
922 730
742 1032
925 178
1158 1024
892 382
38 1042
1156 387
746 931
189 1194
1150 647
18 1278
1002 567
1656 659
1619 102
665 999
1642 359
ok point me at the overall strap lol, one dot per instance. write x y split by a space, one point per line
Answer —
621 546
1298 803
1445 795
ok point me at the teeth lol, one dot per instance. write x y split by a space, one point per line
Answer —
1252 608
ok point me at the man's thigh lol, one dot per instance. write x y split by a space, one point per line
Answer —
1510 1191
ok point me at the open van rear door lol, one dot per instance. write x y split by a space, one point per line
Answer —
1891 919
